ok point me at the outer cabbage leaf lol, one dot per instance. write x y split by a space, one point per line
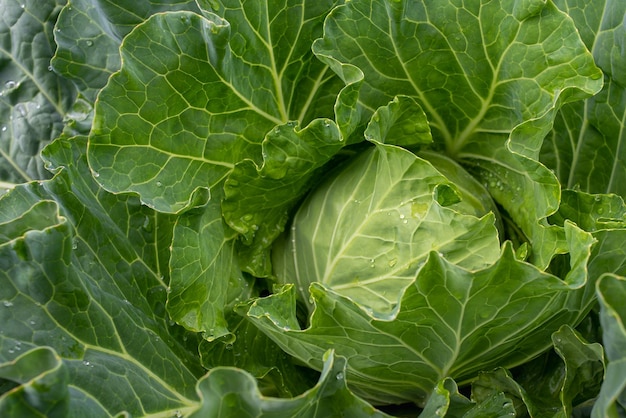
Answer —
450 322
195 96
586 148
612 399
490 91
33 99
367 229
88 280
89 34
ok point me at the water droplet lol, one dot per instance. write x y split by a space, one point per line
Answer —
7 303
4 129
11 84
32 322
402 216
339 376
95 174
23 6
247 217
89 42
86 363
74 245
254 227
405 221
159 184
392 262
49 67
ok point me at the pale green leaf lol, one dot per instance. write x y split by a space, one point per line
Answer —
366 230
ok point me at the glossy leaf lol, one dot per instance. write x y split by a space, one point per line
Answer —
89 34
179 115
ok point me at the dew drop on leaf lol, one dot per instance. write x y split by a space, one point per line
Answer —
339 376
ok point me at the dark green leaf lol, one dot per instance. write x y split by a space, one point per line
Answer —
33 99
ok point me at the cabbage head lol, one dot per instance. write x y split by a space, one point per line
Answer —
368 229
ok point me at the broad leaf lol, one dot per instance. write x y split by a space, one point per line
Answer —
87 281
450 322
196 95
586 148
33 99
89 34
506 81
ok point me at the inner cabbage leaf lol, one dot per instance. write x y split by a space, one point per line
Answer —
367 230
